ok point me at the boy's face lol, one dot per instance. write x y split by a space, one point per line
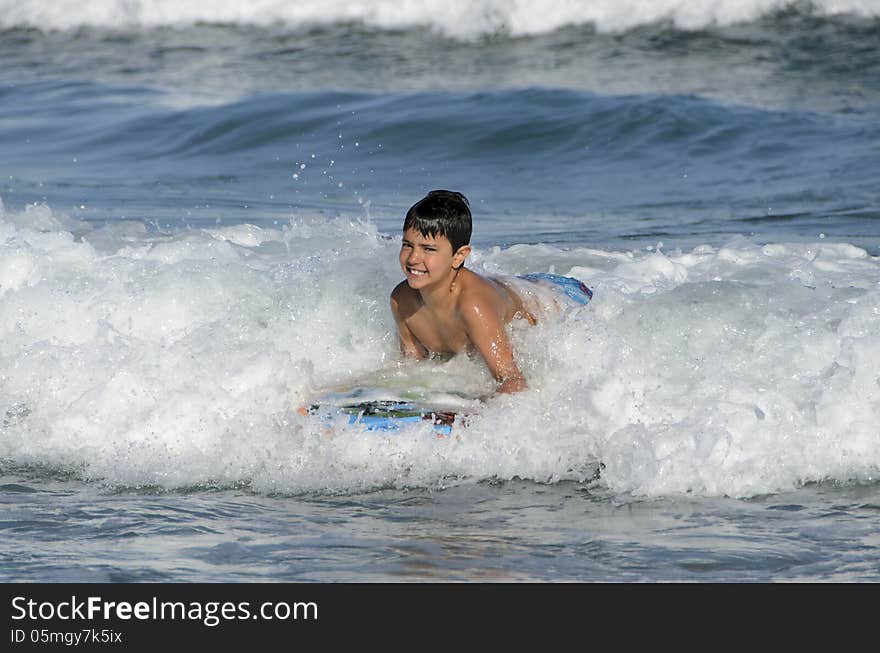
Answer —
427 260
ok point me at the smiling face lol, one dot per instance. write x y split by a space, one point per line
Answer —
428 261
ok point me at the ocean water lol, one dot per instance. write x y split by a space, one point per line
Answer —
200 211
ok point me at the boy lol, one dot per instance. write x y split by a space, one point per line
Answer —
444 308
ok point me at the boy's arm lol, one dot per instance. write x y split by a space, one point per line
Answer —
410 347
486 331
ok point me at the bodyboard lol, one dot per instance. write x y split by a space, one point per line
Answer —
378 409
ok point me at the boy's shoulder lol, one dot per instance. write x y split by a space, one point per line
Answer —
402 290
474 284
480 292
477 293
404 298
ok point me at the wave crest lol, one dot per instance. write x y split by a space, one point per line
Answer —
451 17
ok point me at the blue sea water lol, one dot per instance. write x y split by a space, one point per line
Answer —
200 210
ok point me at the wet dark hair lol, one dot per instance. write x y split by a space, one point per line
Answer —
442 213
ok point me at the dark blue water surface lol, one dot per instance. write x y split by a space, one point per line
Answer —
670 142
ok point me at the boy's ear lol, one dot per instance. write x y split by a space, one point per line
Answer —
460 255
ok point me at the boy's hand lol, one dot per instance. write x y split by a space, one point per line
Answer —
514 384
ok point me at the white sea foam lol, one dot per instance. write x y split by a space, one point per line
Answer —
177 360
452 17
